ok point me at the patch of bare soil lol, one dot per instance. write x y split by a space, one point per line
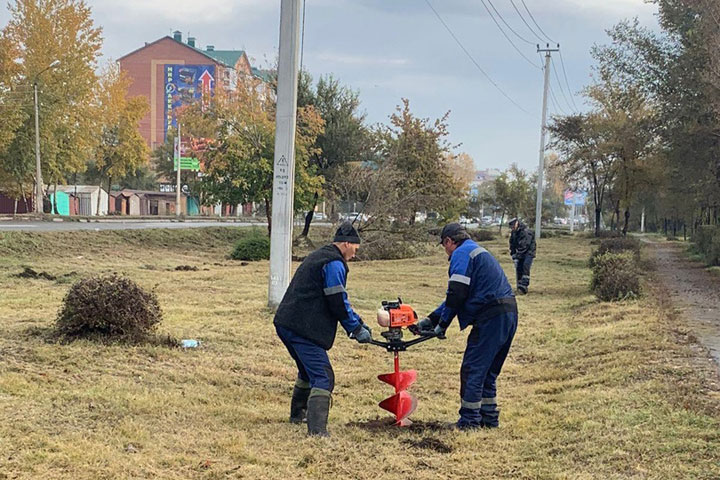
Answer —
694 291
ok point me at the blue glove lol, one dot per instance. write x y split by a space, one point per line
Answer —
440 331
362 334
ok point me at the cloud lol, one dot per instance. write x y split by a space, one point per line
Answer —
539 8
361 60
184 10
414 84
613 8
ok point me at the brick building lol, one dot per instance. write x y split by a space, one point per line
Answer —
171 73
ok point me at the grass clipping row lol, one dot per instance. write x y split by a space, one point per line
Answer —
108 307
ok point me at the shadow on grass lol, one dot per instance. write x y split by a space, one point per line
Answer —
430 443
51 335
419 427
388 424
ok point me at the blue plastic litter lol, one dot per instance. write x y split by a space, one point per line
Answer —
190 343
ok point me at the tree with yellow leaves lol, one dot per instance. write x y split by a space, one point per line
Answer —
16 178
238 164
38 33
120 149
462 170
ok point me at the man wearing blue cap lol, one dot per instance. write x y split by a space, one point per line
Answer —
306 322
480 295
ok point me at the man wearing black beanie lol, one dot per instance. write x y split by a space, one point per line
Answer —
306 322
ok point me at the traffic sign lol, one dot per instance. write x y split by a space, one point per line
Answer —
187 163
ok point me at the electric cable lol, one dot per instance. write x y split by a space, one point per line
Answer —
508 25
506 35
562 90
562 63
472 59
302 39
525 22
536 24
554 100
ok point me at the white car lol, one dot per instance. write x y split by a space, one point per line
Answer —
352 216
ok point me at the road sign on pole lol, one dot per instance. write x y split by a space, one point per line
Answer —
178 168
187 163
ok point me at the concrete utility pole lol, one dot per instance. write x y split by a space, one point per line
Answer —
178 155
38 167
541 166
642 221
284 164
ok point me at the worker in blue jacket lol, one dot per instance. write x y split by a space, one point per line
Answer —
522 251
480 295
306 322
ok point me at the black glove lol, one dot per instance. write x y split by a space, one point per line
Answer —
361 334
425 324
440 331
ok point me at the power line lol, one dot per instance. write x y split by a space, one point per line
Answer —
508 25
562 90
507 37
536 24
302 40
562 63
525 22
556 104
472 59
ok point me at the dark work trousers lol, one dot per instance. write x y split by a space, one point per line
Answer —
487 347
312 360
522 273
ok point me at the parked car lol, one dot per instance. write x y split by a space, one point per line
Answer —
469 222
352 216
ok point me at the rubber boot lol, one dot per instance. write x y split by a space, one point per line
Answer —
490 413
470 419
317 412
298 404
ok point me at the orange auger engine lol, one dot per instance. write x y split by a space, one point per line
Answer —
396 316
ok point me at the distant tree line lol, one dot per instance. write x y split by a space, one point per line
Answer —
650 143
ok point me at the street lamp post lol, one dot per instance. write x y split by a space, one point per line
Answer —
38 169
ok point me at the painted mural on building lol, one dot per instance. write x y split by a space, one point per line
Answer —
186 84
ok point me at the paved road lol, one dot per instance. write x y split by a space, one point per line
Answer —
35 226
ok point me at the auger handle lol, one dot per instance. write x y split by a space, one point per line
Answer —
401 346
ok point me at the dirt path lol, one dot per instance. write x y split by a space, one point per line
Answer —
694 291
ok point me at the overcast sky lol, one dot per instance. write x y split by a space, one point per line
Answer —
389 49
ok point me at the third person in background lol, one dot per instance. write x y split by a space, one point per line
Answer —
522 251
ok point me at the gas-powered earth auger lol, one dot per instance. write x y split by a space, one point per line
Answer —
396 316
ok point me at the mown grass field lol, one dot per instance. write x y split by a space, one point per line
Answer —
589 391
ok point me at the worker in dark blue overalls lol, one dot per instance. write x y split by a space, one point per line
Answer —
306 322
480 295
